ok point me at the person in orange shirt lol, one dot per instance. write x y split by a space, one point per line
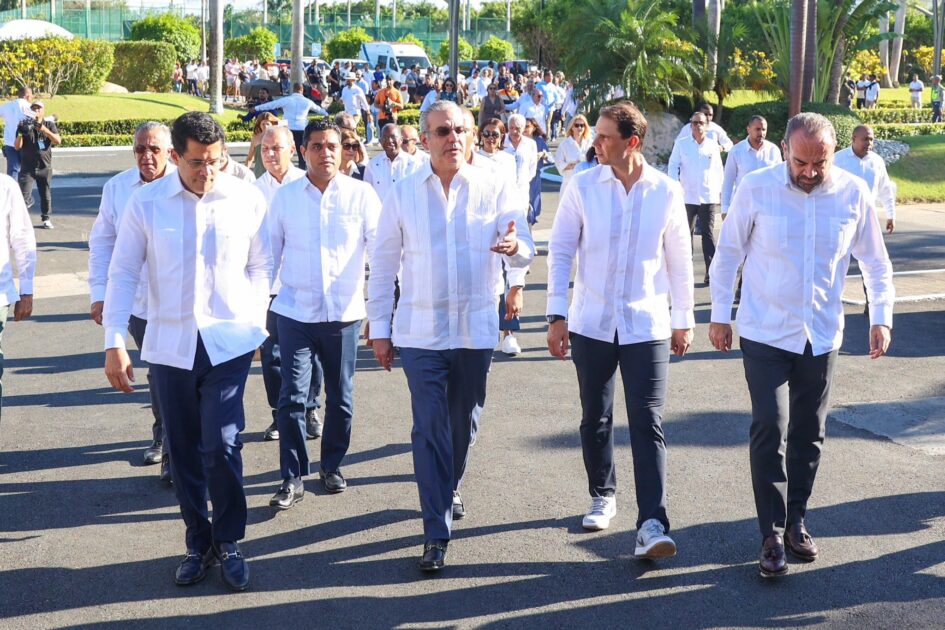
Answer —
388 102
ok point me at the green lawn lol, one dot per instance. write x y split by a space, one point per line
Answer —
121 106
746 97
920 175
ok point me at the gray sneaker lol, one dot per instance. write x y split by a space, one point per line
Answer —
652 541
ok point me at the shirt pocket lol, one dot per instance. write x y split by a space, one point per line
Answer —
771 232
840 235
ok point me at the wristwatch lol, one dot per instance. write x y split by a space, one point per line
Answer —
554 318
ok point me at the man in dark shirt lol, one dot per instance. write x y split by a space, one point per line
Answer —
35 138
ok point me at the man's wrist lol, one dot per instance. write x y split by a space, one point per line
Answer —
551 319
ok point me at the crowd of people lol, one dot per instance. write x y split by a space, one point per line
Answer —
204 260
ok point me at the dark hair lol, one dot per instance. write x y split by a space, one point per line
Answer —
318 126
538 133
757 118
630 122
591 154
197 126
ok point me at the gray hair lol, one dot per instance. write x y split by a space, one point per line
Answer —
152 125
517 120
812 125
438 106
285 132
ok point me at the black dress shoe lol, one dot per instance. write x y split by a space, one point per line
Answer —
799 543
233 566
333 481
290 493
459 509
166 470
193 567
313 426
434 555
154 452
272 432
772 563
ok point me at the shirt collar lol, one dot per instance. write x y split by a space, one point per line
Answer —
647 177
426 171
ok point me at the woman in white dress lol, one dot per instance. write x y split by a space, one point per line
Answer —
573 150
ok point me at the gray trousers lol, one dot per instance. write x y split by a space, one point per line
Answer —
137 328
643 368
789 400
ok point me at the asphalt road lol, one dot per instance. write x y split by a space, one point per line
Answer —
89 538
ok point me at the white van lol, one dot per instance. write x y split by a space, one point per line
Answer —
395 58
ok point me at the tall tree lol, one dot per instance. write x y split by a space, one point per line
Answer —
298 41
895 56
714 23
810 52
798 52
216 56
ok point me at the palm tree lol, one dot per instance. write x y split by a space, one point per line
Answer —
216 56
714 21
810 52
630 44
798 51
298 41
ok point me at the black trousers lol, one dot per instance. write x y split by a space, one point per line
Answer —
138 327
789 399
706 213
297 136
643 368
43 179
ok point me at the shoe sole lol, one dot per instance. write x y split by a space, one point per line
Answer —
659 550
459 516
151 462
772 574
799 556
286 507
594 528
430 568
271 438
334 491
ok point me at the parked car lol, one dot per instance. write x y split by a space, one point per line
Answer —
395 58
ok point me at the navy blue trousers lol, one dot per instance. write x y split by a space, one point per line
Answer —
270 355
137 328
203 416
335 344
447 392
644 368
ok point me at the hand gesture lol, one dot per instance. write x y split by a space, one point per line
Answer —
508 246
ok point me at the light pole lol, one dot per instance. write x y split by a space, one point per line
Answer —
216 56
297 41
454 37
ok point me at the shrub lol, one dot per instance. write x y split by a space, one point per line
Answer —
496 49
126 139
44 64
259 43
866 62
890 131
172 29
894 115
776 113
466 52
97 57
347 44
141 66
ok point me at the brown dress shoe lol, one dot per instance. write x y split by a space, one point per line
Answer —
799 543
772 562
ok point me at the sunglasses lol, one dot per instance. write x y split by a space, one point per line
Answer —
490 134
579 125
408 141
442 132
350 146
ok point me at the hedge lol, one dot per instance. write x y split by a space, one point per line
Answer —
98 57
894 115
126 139
891 131
776 112
143 66
55 65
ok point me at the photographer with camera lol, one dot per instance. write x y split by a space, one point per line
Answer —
35 138
388 102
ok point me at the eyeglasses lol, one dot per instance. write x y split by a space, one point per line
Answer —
490 134
442 132
140 149
408 141
198 164
579 125
350 146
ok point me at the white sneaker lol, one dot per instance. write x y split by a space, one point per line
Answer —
652 541
48 224
510 346
602 510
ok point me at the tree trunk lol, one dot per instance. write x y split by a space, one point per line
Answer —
895 57
798 37
810 52
698 13
884 79
938 9
836 73
216 56
715 26
298 41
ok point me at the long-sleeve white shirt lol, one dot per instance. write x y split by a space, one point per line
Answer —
354 100
502 166
712 130
634 257
320 242
428 100
526 163
382 173
872 170
268 186
13 112
111 209
208 271
18 232
449 277
743 159
698 167
796 249
295 109
570 153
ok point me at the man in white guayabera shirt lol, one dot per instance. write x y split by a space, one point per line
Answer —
749 155
448 227
152 151
322 228
795 225
203 235
860 160
624 224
